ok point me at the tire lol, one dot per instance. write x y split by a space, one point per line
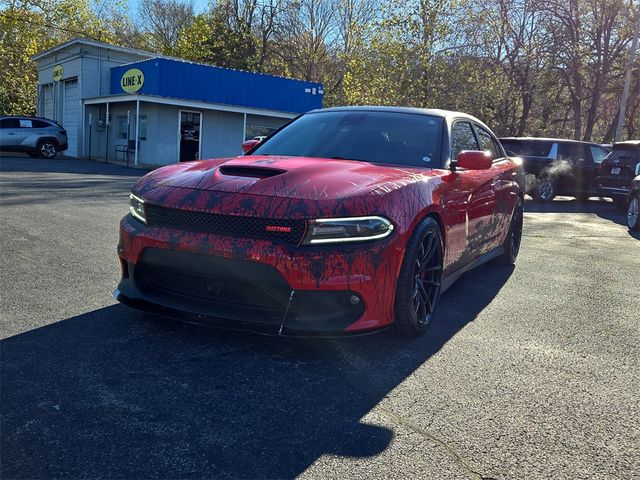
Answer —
47 148
633 217
419 283
545 191
512 243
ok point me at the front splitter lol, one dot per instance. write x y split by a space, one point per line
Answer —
236 325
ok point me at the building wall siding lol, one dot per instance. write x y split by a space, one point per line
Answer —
181 79
221 134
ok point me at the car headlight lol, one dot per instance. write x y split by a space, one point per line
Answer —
136 207
350 229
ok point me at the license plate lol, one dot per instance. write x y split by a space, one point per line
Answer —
615 171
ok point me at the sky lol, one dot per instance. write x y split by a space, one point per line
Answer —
199 5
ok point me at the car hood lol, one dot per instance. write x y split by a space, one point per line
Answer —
293 177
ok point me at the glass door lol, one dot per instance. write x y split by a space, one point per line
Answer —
190 123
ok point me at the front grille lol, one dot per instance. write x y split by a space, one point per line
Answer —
218 289
285 231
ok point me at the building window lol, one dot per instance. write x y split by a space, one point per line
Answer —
257 131
122 127
142 133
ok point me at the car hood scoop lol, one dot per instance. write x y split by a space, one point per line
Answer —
295 177
250 171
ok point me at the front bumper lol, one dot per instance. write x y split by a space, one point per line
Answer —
256 284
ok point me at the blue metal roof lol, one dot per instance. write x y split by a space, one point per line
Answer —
193 81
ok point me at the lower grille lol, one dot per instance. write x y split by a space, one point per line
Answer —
284 231
239 291
218 289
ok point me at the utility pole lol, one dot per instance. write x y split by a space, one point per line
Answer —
627 78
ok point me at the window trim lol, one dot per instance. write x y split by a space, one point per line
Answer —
453 125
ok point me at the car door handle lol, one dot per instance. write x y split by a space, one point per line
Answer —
12 133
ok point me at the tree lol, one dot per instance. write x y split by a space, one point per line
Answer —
162 21
30 27
588 44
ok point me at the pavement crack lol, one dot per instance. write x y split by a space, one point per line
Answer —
451 451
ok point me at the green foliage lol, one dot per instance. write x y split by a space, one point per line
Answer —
210 39
28 28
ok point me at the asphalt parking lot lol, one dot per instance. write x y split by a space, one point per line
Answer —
529 372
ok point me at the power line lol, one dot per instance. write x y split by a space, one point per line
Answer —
49 25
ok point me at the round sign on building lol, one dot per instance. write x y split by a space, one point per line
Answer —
58 73
132 80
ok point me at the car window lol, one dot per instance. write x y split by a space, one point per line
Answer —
26 123
9 123
528 148
40 124
370 136
462 138
597 153
571 151
487 142
623 156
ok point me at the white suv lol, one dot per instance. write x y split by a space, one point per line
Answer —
39 137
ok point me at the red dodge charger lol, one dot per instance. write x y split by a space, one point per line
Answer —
345 220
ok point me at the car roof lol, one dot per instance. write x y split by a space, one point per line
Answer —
545 139
434 112
28 117
627 143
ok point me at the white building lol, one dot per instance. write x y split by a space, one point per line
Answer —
103 94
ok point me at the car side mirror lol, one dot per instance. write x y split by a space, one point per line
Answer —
473 160
249 144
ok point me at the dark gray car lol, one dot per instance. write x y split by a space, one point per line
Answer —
39 137
557 166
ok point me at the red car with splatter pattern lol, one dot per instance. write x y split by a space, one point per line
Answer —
345 220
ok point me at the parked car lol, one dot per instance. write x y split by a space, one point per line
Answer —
558 167
633 205
249 144
618 169
39 137
346 220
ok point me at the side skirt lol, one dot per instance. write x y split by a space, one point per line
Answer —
484 258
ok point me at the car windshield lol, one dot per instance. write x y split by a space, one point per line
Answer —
371 136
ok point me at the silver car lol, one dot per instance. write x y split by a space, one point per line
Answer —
39 137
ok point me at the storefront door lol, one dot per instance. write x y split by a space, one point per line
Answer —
190 123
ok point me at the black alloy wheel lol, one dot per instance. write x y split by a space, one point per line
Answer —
420 280
47 149
513 240
546 190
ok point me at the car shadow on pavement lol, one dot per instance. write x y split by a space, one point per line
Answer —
26 164
120 394
82 180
